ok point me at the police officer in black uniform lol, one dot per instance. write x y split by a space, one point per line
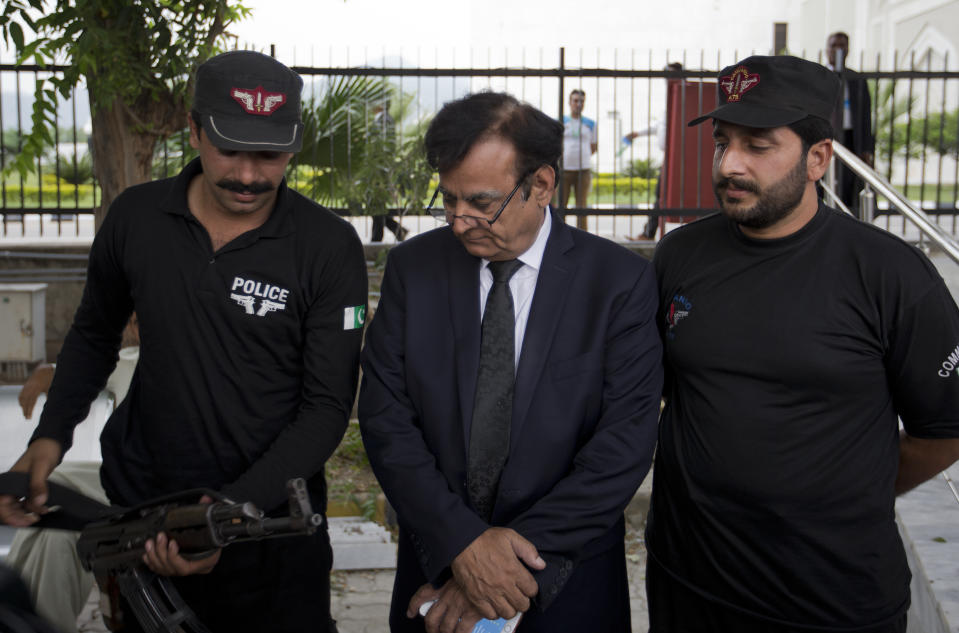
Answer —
251 301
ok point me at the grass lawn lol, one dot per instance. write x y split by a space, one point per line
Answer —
350 480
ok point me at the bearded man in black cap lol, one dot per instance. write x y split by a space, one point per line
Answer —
251 301
795 337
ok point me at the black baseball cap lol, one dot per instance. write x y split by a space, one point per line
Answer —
766 92
248 101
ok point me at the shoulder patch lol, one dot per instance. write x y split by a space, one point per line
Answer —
354 317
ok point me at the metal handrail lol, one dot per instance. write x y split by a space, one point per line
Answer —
834 199
882 186
952 486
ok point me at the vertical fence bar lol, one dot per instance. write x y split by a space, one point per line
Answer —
329 103
56 160
925 136
561 71
940 150
682 146
631 230
699 134
76 165
36 80
20 147
955 158
892 117
905 184
650 203
314 150
349 124
955 179
3 161
165 155
616 133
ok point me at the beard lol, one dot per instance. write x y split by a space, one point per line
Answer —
775 201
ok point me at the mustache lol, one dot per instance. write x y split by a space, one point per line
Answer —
746 185
238 187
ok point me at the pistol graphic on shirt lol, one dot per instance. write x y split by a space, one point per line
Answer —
245 301
268 306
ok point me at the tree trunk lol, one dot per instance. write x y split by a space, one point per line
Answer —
123 141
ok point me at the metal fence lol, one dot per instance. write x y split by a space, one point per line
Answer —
915 105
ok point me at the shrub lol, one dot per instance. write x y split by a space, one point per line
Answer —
623 186
31 194
642 168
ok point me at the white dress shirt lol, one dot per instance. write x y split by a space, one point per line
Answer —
522 284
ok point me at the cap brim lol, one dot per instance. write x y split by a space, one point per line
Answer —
750 115
246 135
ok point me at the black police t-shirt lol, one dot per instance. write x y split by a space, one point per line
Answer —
787 362
249 355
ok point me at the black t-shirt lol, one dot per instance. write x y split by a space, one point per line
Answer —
787 362
248 356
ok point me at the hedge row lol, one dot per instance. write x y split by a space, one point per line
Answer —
31 194
625 186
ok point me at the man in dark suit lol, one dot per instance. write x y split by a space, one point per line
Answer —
509 447
854 120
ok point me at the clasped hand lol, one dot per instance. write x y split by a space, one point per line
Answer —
452 612
491 572
489 581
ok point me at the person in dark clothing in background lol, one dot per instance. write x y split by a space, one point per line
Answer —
854 122
384 131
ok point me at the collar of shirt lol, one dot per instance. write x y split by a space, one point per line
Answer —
279 224
532 258
522 284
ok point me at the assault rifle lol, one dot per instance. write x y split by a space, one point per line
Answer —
112 545
113 549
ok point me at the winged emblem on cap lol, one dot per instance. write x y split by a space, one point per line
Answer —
257 100
736 84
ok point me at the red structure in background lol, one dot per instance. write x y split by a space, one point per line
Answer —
687 166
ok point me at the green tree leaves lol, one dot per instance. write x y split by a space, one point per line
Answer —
136 58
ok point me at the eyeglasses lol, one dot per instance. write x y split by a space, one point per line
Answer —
474 221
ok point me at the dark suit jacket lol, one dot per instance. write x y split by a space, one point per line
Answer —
861 107
585 407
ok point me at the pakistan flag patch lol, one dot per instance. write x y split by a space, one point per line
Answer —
354 317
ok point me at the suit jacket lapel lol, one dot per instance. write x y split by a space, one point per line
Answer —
548 300
463 281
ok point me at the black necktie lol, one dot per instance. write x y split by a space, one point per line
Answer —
493 406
